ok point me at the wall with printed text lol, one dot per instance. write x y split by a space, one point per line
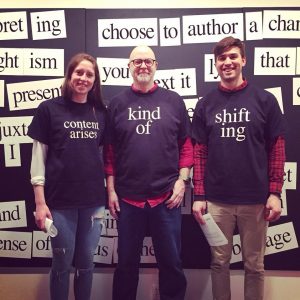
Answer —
36 45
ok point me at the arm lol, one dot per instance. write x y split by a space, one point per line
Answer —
41 209
37 170
276 173
113 200
185 164
199 205
178 189
109 166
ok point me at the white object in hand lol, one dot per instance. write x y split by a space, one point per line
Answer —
50 229
212 231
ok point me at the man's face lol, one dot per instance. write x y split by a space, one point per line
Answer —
142 65
229 65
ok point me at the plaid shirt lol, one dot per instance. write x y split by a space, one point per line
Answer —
276 167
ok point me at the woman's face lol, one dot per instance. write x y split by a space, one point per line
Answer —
82 80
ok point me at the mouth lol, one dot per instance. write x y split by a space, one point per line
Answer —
82 88
81 85
143 73
81 82
228 70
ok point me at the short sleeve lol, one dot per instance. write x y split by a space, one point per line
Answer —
198 124
39 129
275 125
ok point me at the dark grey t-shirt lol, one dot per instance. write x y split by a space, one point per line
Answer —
74 175
238 128
144 130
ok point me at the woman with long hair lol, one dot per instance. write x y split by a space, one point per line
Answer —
67 174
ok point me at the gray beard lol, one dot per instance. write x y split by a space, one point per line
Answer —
144 78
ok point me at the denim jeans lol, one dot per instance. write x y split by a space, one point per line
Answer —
252 229
78 236
164 226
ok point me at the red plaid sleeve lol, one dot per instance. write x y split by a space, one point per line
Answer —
200 158
276 165
185 153
109 161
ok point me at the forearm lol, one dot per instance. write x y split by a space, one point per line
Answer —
110 183
109 160
185 153
184 173
200 158
39 195
276 165
38 161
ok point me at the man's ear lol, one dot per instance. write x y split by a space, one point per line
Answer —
244 61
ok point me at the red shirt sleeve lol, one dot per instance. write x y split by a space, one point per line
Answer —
276 165
109 161
185 153
200 158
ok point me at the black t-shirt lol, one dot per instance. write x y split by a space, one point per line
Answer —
74 132
144 130
238 128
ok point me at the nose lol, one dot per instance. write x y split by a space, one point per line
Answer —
83 77
143 65
227 61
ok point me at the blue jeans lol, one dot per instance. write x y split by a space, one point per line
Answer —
164 226
78 236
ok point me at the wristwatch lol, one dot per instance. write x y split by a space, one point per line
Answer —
186 179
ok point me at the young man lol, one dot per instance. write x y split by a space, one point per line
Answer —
239 166
147 163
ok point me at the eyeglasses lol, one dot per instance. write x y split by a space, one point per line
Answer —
138 62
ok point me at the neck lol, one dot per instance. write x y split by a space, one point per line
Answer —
144 88
232 84
79 99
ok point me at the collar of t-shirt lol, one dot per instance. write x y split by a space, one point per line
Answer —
238 88
155 86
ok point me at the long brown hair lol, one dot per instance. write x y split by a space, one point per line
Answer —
94 95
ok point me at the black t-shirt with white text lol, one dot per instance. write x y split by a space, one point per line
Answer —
144 130
74 132
238 128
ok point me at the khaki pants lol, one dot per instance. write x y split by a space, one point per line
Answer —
252 229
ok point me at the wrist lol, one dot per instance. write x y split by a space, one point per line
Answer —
276 194
200 198
186 179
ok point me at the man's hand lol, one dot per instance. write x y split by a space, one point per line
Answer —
178 194
199 208
273 208
113 204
